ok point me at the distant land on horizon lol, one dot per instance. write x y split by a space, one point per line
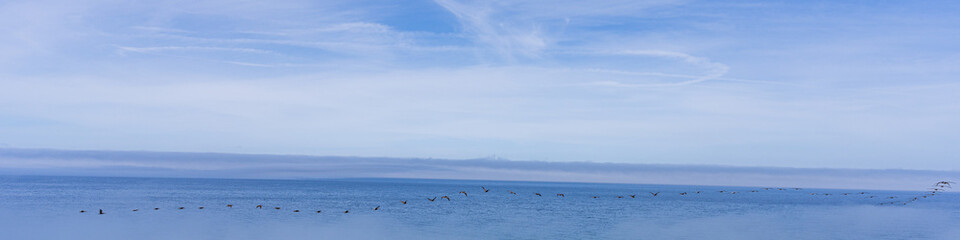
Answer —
265 166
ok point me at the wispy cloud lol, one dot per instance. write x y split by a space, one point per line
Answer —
685 82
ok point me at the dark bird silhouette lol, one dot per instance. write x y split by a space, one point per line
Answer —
431 199
595 197
230 205
654 193
813 194
376 208
485 189
633 196
698 192
156 208
136 209
277 208
464 193
733 192
259 206
721 191
83 211
296 210
200 208
511 192
319 211
101 211
826 194
404 202
683 193
753 191
619 196
798 189
180 208
347 211
445 197
892 197
538 194
561 195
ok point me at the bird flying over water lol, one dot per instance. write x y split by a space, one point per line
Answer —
633 196
464 193
403 201
431 199
259 206
448 198
538 194
485 189
511 192
230 205
561 195
654 193
376 208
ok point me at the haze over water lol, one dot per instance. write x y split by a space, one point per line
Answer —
48 208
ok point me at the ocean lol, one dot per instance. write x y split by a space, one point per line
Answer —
49 207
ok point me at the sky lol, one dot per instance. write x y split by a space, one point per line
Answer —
809 84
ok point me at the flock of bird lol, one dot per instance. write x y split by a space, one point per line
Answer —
937 188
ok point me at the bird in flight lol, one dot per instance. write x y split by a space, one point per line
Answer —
561 195
485 189
347 211
402 201
538 194
464 193
448 198
259 206
511 192
376 208
633 196
654 193
230 205
431 199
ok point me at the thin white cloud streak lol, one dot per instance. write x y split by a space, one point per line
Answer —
378 90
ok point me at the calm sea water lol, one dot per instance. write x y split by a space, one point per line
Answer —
34 207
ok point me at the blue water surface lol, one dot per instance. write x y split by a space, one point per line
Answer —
45 207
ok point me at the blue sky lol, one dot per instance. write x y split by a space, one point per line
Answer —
868 84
